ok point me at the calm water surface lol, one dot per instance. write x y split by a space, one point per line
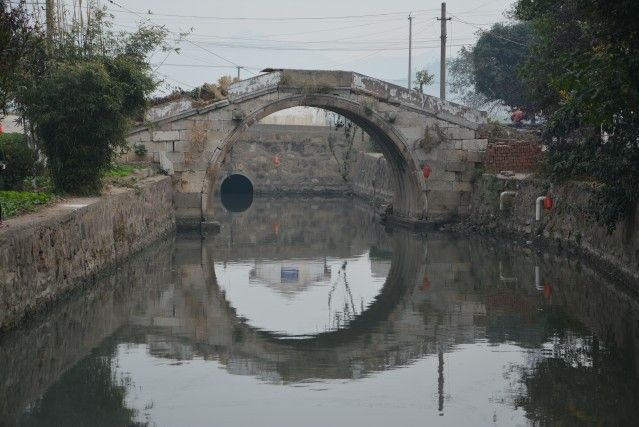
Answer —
308 313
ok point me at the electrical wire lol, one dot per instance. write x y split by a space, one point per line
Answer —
186 40
489 33
279 20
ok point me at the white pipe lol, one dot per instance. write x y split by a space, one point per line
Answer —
538 285
503 195
538 204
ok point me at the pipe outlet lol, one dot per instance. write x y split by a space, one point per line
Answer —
503 196
538 205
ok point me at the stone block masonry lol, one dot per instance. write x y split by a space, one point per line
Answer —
48 254
370 178
565 225
305 164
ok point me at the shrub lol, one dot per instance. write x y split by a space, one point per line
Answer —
37 183
20 159
140 150
81 113
16 202
118 170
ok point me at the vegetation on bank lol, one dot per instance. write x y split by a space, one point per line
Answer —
19 202
78 89
574 64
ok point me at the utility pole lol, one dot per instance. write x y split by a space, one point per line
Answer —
410 50
50 15
442 64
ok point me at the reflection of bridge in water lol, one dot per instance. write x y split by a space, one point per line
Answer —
440 292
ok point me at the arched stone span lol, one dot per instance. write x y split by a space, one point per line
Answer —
412 130
410 201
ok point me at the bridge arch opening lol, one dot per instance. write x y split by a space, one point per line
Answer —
409 192
236 193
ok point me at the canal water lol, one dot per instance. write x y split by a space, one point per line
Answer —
306 312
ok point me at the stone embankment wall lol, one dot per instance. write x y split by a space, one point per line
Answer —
45 255
370 178
567 224
288 159
59 339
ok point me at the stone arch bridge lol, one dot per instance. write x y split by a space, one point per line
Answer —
412 130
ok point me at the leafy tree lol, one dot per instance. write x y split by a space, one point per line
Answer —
22 52
496 60
461 82
20 159
582 71
79 104
81 118
423 78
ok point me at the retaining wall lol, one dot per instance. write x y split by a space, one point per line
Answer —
567 224
288 159
370 178
45 255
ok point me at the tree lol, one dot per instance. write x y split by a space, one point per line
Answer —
461 70
22 52
81 118
80 102
582 71
497 58
423 78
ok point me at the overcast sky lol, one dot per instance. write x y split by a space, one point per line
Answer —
326 34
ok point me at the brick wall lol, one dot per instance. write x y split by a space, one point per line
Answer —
512 155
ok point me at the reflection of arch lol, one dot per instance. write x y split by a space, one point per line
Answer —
409 189
407 269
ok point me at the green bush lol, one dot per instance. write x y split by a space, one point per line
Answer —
140 150
17 202
20 159
38 183
119 171
81 113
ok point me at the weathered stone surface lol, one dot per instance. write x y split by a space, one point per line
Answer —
45 255
411 129
474 144
565 223
462 186
371 179
306 164
455 166
169 135
459 133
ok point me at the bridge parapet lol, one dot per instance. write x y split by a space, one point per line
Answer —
312 81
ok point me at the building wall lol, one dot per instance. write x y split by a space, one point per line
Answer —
511 155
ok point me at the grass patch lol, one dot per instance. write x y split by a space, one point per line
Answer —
120 171
18 202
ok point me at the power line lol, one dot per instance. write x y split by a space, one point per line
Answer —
186 40
273 19
489 33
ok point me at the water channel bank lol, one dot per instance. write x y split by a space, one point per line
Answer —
567 225
50 253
